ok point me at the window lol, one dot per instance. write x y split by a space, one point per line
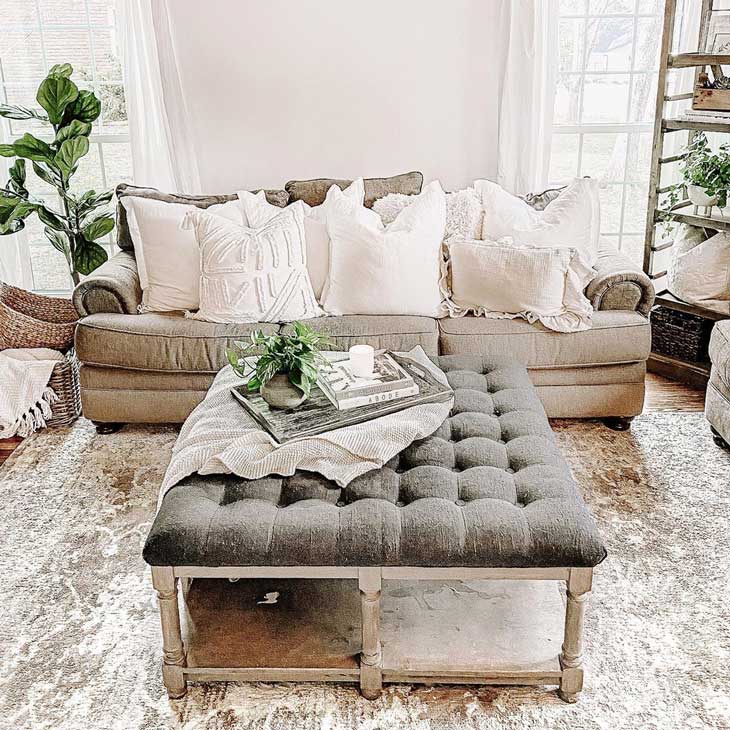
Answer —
604 107
35 35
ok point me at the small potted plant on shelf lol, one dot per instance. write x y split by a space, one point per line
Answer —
705 175
287 366
68 113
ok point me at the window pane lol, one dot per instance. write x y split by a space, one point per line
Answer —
63 12
646 7
609 44
118 163
23 95
610 196
89 175
50 272
564 157
567 99
69 45
21 55
604 7
639 160
604 156
113 108
21 11
633 247
643 98
573 7
605 98
108 65
635 208
571 35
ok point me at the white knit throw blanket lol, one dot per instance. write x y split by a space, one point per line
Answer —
219 437
25 398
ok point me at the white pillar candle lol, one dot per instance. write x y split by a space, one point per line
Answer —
362 360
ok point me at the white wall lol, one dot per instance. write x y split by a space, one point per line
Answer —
281 89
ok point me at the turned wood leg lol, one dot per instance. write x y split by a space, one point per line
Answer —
371 660
173 651
106 429
619 423
718 439
571 658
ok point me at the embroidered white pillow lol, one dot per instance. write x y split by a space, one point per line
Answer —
257 211
504 281
572 220
168 258
394 269
253 275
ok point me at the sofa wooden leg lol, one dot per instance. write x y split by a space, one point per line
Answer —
619 423
371 660
106 429
571 658
173 651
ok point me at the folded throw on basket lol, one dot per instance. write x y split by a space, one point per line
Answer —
220 437
25 398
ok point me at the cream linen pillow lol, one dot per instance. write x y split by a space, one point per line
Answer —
504 281
572 220
376 269
257 211
168 258
253 275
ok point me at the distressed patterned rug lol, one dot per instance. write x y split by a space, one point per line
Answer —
79 633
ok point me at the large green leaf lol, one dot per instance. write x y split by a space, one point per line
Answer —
69 153
51 219
59 241
86 108
17 173
47 174
74 129
88 256
12 218
98 227
54 94
32 148
7 150
21 113
61 69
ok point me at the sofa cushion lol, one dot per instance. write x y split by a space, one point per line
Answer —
170 342
313 192
615 337
124 239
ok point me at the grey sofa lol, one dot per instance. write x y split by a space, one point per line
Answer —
155 368
717 400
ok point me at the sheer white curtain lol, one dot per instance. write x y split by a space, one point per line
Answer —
530 28
163 153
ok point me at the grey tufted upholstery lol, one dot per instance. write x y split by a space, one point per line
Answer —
488 489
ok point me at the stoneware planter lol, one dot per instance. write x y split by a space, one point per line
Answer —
280 393
699 197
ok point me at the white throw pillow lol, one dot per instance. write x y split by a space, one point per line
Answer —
700 269
504 281
258 211
376 269
253 275
464 211
168 258
572 220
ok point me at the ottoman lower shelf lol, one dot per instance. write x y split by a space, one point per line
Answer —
432 630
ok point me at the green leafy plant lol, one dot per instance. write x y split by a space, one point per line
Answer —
297 355
702 167
76 228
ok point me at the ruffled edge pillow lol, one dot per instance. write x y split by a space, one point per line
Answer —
499 280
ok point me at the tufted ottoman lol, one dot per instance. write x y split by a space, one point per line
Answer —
487 497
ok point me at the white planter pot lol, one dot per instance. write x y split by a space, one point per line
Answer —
698 196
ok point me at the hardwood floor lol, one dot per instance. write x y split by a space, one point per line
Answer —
661 395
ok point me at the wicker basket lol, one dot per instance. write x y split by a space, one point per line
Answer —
65 383
680 335
30 320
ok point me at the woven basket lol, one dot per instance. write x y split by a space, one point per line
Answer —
30 320
65 383
680 335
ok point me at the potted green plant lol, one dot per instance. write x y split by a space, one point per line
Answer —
286 367
705 175
68 113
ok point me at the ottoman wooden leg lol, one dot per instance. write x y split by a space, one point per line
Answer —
571 659
173 651
371 660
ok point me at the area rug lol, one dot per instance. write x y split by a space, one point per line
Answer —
79 632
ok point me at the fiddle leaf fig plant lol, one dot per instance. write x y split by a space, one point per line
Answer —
297 355
75 229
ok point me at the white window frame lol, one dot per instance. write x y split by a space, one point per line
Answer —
99 137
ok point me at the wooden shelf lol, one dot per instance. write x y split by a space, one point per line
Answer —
693 219
670 125
667 299
690 60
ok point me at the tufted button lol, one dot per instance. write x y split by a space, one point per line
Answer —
510 470
340 504
400 504
460 502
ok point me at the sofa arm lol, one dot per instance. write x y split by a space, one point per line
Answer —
113 288
620 283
